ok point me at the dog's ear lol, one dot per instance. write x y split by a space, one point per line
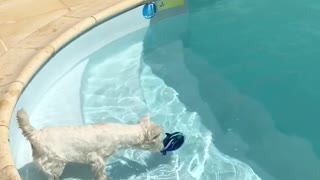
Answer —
145 120
154 132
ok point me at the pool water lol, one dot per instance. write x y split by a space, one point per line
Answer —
254 65
121 86
237 77
239 81
267 50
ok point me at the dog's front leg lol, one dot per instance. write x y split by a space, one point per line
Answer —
97 164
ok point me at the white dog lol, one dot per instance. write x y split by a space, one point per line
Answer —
54 147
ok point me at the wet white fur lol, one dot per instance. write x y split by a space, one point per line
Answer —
54 147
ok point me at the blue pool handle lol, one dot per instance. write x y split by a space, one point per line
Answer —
149 10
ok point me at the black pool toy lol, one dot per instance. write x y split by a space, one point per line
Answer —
172 142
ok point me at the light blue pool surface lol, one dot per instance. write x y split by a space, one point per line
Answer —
239 78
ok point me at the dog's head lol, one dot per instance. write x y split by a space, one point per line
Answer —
152 135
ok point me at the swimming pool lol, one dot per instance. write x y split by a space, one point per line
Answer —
234 87
266 52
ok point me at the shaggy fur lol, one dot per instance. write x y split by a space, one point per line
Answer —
54 147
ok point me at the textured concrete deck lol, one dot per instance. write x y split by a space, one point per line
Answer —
31 31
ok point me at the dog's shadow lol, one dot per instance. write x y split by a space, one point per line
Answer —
79 171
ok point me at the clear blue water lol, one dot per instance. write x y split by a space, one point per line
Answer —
119 83
241 80
268 51
238 77
256 66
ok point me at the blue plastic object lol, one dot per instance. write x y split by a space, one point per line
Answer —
149 10
172 142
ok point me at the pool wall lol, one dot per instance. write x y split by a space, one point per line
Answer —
9 99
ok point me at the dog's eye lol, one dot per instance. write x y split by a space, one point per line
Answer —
156 137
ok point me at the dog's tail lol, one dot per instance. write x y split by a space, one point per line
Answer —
24 123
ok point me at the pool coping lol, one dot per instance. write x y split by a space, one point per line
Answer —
10 95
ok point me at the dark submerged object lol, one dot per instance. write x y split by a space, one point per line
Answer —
172 142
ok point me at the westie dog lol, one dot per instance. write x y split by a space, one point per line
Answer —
54 147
